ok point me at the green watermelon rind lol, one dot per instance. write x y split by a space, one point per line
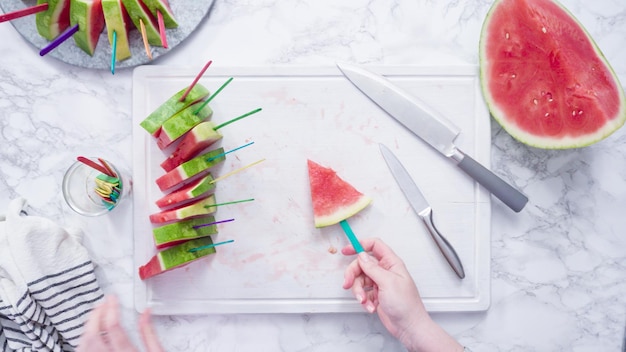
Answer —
156 6
47 22
115 22
342 212
548 142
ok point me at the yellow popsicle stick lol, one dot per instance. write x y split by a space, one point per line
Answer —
236 171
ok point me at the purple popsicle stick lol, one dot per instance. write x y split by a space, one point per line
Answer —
58 40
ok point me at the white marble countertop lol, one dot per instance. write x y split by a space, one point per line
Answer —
558 267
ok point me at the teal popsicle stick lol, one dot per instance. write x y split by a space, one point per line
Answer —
209 246
353 240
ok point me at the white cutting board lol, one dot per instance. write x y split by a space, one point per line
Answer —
279 262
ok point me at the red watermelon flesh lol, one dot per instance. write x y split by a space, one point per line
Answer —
54 20
201 188
333 198
90 19
195 141
199 208
176 257
544 79
191 170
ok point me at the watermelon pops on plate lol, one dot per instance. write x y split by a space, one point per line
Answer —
185 230
201 188
189 170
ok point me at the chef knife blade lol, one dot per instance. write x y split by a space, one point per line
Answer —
421 208
432 127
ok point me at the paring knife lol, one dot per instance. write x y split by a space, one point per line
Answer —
432 127
421 208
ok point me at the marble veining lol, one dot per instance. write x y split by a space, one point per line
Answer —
558 268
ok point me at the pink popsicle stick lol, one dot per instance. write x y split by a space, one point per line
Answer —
195 81
162 29
94 165
23 12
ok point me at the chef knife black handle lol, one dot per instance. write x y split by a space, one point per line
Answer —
510 196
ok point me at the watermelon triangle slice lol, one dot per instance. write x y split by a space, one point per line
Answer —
137 10
90 19
117 20
333 199
54 20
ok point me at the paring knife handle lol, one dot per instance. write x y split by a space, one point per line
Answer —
444 246
510 196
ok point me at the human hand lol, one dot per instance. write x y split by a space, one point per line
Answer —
103 331
382 284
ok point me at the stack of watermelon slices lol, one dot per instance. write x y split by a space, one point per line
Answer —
92 16
183 130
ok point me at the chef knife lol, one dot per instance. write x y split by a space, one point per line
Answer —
432 127
421 208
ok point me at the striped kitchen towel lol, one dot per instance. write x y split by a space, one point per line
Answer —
47 283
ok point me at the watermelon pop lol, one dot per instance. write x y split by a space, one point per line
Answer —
54 20
178 232
198 189
198 139
179 124
176 257
117 20
137 11
187 171
334 200
155 120
205 206
87 14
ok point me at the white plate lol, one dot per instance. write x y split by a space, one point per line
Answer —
188 13
279 262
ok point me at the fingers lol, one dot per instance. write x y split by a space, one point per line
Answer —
148 335
118 340
91 339
374 245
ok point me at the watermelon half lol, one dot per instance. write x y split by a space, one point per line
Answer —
544 79
333 199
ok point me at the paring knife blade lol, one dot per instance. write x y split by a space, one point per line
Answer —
421 208
430 126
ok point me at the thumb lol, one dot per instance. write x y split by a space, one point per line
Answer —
370 267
